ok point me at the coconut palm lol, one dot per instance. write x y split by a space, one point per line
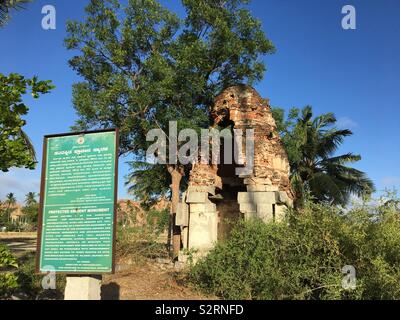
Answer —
10 199
10 202
30 198
7 5
315 169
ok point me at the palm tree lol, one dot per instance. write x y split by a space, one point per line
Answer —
10 202
315 170
6 6
10 199
30 198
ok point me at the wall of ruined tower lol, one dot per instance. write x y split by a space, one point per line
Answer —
247 110
215 193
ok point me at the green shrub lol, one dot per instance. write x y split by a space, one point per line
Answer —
303 257
30 283
8 280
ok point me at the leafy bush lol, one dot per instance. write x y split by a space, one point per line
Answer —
20 278
303 257
8 280
30 284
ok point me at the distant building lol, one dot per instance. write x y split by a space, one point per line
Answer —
17 215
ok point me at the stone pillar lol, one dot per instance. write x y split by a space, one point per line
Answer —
83 288
265 205
198 219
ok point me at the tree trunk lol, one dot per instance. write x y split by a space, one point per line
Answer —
176 173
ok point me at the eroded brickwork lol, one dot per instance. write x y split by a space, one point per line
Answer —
216 193
243 106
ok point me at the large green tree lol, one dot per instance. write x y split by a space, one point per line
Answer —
316 170
143 67
16 149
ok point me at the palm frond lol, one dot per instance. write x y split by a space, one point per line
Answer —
323 121
7 5
341 160
324 188
329 142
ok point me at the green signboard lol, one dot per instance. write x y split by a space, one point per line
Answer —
78 202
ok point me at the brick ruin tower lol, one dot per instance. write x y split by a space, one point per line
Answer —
216 194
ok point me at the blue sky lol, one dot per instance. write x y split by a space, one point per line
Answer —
353 73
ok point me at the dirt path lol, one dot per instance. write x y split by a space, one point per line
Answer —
151 281
19 243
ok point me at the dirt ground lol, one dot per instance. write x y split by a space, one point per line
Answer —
152 280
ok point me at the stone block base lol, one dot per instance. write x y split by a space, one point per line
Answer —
83 288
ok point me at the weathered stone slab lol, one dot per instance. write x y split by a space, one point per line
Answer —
265 212
184 235
262 188
256 197
250 215
83 288
197 207
256 188
196 197
206 189
248 207
203 232
182 215
257 181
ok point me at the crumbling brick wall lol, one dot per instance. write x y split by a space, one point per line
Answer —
247 110
263 193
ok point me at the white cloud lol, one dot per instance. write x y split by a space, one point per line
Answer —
346 123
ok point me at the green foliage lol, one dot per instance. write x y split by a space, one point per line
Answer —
143 67
23 279
316 172
30 283
31 213
302 258
3 216
157 220
8 280
16 149
147 181
6 258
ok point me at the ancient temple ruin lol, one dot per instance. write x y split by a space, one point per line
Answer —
216 195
